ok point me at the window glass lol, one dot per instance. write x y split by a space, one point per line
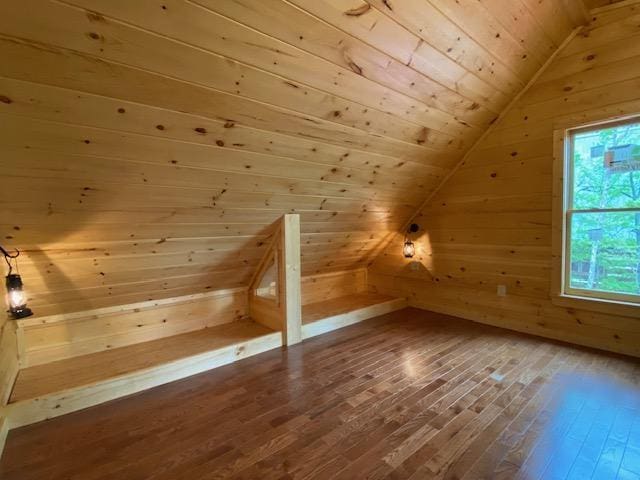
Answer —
603 212
606 168
604 252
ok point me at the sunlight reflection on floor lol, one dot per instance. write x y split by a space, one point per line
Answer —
589 429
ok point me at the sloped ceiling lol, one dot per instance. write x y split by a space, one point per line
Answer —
489 227
148 146
600 3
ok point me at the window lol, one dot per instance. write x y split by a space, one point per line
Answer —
601 212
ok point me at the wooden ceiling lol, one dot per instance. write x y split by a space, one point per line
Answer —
148 146
600 3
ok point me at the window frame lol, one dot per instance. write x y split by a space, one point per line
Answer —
561 291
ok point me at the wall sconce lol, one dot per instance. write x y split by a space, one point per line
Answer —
409 248
15 294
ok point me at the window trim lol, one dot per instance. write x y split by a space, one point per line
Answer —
561 293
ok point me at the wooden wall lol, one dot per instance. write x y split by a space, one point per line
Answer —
600 3
147 147
490 224
318 288
47 339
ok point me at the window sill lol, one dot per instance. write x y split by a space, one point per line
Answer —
610 307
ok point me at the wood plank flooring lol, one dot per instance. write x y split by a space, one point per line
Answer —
407 395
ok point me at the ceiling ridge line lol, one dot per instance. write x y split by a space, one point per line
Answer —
488 131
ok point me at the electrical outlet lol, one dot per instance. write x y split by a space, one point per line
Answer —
502 290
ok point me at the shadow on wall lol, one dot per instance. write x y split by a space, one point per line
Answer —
41 210
64 285
145 270
78 240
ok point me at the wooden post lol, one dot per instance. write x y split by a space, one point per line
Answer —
284 311
290 274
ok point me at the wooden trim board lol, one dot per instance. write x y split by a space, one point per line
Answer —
344 319
4 430
290 270
99 312
9 358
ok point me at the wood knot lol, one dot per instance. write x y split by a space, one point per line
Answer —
355 67
356 12
95 17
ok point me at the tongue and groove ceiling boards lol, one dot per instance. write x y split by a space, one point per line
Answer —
148 146
600 3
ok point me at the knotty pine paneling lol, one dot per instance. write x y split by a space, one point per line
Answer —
60 337
319 288
490 224
148 147
600 3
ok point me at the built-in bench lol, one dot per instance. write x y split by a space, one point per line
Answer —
334 313
56 388
53 389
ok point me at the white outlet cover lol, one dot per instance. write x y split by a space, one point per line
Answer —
502 290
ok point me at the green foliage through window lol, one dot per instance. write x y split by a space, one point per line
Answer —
604 210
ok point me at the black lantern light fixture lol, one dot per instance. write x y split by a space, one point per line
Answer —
409 248
15 294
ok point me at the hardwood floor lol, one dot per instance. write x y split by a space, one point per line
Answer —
407 395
